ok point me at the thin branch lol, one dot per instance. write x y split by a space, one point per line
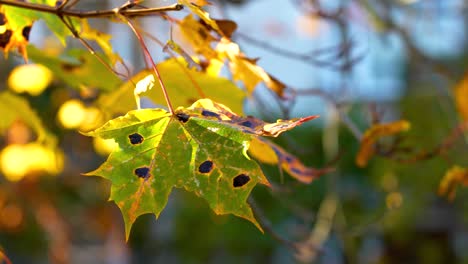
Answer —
153 64
76 35
444 146
357 133
91 14
267 226
160 43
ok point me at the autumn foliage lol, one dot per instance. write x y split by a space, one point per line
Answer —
202 115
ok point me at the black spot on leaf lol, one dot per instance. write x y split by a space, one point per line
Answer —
5 38
25 32
183 117
209 113
206 166
240 180
135 138
143 172
3 19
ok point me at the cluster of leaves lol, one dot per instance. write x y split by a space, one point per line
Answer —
206 148
202 148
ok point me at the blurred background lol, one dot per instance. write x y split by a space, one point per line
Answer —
354 62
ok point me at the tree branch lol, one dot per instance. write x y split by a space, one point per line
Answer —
91 14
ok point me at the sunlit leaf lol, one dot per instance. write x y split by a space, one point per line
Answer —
196 7
184 87
246 70
197 36
77 68
158 151
202 149
453 177
373 134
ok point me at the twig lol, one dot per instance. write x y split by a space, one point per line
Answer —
153 64
308 58
76 35
91 14
446 144
327 97
160 43
262 220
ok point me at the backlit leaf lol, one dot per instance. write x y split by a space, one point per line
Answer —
196 7
197 36
373 134
453 177
246 70
196 149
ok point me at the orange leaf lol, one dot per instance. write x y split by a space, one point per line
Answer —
453 177
461 97
373 134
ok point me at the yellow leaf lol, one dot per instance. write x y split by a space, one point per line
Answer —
197 36
454 176
268 152
373 134
245 69
195 7
461 97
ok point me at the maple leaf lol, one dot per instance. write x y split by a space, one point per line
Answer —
245 69
194 149
374 133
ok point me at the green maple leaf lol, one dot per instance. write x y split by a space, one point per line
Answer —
159 151
202 149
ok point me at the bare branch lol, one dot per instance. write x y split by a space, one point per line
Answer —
91 14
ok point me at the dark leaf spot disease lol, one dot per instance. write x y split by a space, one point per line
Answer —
135 138
240 180
206 166
143 172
